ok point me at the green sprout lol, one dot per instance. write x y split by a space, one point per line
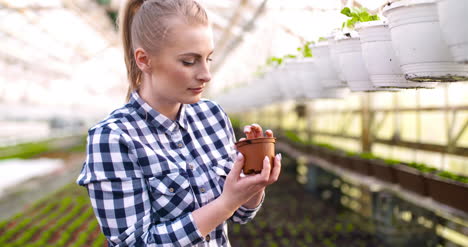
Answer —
305 50
357 15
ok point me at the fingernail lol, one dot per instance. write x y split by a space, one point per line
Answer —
239 157
280 156
267 159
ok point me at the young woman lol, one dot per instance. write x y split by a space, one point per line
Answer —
162 170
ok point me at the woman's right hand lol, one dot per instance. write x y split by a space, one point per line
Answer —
238 190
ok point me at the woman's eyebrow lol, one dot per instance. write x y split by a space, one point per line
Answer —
193 54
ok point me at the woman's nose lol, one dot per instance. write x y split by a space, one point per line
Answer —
204 74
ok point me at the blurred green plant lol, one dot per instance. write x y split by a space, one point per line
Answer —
452 176
305 50
357 15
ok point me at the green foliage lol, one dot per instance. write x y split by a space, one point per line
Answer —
392 162
24 151
367 156
452 176
235 122
305 50
291 135
422 167
321 39
357 15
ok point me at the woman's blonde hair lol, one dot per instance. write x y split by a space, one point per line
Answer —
144 23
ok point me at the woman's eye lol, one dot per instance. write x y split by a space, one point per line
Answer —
187 63
209 59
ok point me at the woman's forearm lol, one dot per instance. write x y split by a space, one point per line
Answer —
208 217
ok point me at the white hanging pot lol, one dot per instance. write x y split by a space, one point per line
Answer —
453 21
311 82
295 70
328 76
332 46
418 42
381 62
334 92
352 65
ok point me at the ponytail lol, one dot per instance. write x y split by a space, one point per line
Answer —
125 25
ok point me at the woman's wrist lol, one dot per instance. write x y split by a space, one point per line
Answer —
227 204
255 200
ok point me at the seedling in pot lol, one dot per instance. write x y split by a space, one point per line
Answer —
357 15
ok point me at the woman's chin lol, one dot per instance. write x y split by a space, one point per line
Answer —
192 100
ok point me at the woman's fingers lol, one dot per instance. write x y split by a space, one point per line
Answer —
276 169
269 133
243 138
237 166
249 132
257 130
265 174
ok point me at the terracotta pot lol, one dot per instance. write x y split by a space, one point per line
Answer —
383 171
411 179
449 192
254 151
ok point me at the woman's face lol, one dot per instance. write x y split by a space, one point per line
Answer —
180 70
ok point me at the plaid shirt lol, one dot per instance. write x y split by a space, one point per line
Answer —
146 174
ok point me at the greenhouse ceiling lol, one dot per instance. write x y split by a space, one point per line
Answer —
63 57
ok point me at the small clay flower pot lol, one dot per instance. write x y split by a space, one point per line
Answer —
254 151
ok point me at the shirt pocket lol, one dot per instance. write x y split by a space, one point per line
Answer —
172 196
221 168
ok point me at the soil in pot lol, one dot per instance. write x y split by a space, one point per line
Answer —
254 151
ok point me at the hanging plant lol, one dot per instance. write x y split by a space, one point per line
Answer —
357 15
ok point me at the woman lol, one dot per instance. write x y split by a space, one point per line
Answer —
162 170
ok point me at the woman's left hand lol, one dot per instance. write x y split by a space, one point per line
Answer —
255 131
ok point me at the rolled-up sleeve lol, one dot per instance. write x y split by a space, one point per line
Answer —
120 197
244 215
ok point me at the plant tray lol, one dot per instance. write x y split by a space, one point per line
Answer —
449 192
411 179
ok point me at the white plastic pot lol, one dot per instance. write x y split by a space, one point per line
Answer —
418 42
294 70
453 21
328 76
332 46
352 65
380 60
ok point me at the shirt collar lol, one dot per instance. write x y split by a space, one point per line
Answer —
155 118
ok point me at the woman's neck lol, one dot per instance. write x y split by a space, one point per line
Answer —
169 109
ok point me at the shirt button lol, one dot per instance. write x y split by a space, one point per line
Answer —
202 190
208 238
180 144
171 190
191 166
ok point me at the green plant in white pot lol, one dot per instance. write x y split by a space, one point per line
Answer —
419 44
349 53
379 57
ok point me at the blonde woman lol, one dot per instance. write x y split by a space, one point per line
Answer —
162 169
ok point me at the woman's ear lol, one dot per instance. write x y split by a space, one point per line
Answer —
143 60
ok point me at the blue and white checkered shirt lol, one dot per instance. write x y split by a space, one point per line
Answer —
146 174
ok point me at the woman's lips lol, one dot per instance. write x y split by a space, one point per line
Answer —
196 90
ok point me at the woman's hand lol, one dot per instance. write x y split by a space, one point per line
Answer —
248 190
